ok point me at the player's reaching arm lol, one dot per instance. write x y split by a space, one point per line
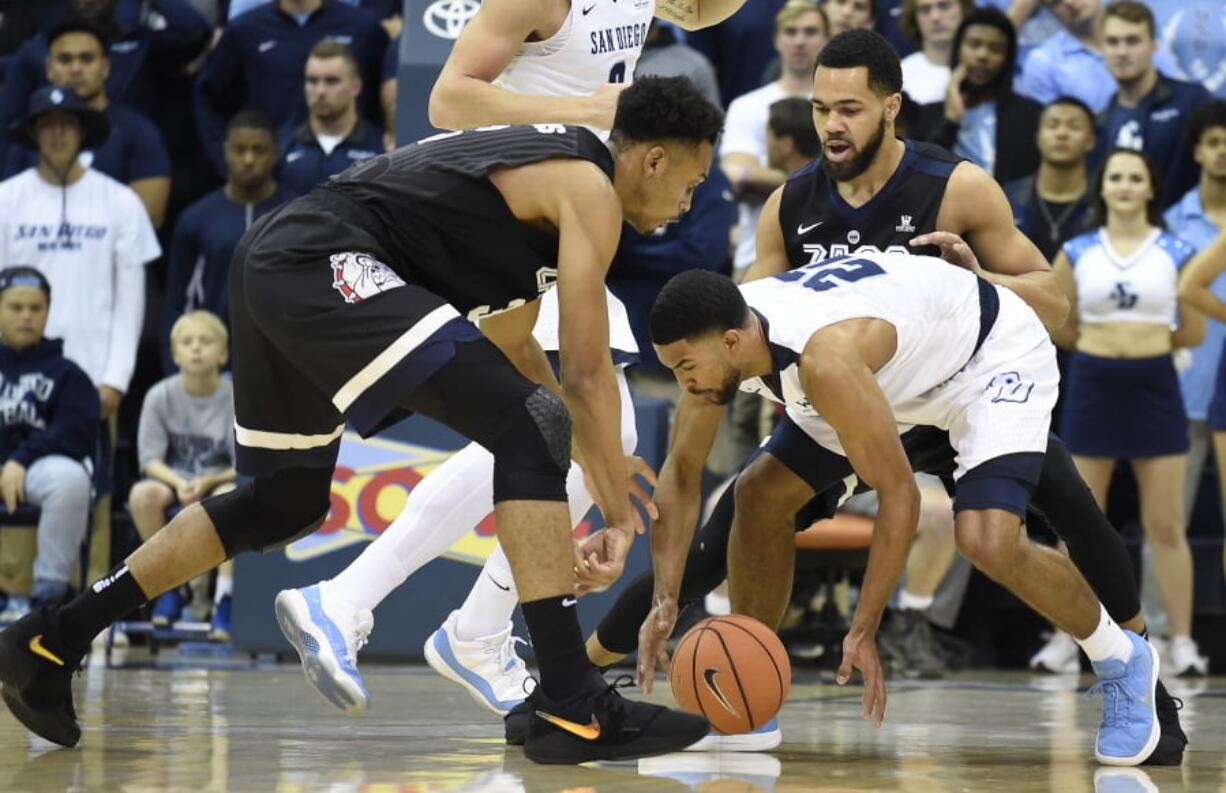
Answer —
464 95
696 14
976 209
836 372
677 498
771 257
511 332
1064 336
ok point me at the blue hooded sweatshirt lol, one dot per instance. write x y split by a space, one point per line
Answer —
48 405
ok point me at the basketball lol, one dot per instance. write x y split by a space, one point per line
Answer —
733 670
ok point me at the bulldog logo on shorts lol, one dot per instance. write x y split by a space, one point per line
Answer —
358 276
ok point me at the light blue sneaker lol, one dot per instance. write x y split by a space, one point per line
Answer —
327 635
763 739
487 667
1129 730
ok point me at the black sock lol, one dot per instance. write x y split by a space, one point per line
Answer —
90 612
557 641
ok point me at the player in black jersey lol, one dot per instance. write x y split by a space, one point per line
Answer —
869 191
348 306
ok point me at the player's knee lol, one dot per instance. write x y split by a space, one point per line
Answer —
532 455
271 511
987 542
1166 531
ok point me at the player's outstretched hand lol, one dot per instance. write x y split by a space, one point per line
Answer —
600 558
953 248
860 652
653 641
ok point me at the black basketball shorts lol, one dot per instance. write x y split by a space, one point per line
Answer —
325 332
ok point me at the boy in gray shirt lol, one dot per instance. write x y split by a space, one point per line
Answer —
186 447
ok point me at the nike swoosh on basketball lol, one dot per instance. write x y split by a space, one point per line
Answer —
36 647
500 586
708 676
588 10
588 732
803 229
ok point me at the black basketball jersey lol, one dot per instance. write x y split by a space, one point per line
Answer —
818 224
442 223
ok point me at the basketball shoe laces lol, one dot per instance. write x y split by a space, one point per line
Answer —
508 659
359 635
1115 694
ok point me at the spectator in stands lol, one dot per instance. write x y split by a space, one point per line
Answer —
982 119
1149 111
791 138
888 22
800 33
87 233
48 428
1050 207
664 55
1032 19
147 41
386 11
1199 218
334 136
186 447
259 61
1122 399
1071 62
740 48
931 24
1194 33
132 152
209 230
845 15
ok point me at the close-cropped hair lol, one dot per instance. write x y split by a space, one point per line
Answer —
868 48
665 108
695 303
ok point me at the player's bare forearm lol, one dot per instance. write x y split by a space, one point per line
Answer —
1040 290
893 530
462 102
696 14
595 410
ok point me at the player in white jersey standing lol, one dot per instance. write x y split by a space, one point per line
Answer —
516 62
860 349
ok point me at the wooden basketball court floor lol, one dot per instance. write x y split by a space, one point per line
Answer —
187 726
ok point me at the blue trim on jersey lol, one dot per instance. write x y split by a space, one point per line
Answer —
1004 482
989 309
781 359
807 169
1179 250
1075 248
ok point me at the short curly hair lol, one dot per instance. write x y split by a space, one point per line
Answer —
868 48
695 303
665 108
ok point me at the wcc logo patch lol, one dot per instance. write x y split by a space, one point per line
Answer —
358 276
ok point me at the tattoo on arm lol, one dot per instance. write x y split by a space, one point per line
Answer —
680 10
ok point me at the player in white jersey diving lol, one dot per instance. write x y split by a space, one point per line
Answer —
859 349
516 62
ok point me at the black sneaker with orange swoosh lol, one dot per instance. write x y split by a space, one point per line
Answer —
600 724
36 677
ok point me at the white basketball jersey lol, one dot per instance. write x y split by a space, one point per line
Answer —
933 305
621 338
599 43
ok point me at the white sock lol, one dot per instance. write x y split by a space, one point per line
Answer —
910 602
442 508
1107 642
488 607
224 588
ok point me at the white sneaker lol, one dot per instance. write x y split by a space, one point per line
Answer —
1185 658
1060 655
327 636
763 739
488 667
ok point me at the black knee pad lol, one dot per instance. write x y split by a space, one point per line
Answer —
532 455
271 511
